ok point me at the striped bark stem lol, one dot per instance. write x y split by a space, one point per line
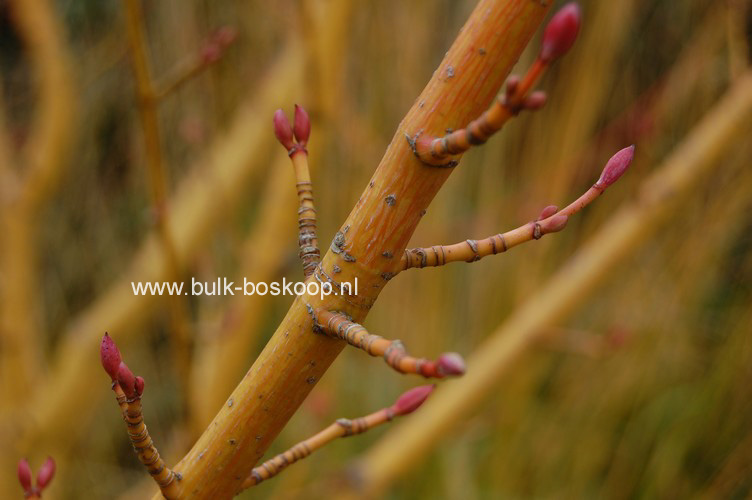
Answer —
550 221
439 150
393 351
310 255
132 411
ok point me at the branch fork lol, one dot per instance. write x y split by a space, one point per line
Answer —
558 37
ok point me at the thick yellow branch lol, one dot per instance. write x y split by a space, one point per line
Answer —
380 225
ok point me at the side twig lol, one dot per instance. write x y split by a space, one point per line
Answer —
549 221
147 106
558 38
393 351
128 390
310 254
342 427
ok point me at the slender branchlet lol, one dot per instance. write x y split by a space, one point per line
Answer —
128 390
407 403
44 477
157 172
213 49
558 38
551 220
294 139
394 353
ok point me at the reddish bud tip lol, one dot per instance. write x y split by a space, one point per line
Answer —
616 166
46 473
24 474
127 380
282 129
139 385
302 126
412 399
512 83
561 32
110 356
554 224
535 101
211 52
451 363
547 212
225 36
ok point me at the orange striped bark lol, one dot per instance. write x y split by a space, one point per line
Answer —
377 229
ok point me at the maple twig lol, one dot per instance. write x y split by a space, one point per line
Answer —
192 65
128 390
393 351
157 171
342 427
558 38
551 220
310 254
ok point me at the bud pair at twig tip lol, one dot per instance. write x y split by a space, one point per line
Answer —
214 48
301 129
118 371
44 476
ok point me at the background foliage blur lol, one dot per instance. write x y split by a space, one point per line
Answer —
646 391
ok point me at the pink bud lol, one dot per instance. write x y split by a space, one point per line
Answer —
561 32
211 52
225 36
512 83
451 363
282 129
554 224
110 356
45 474
412 399
139 385
126 380
616 166
547 212
535 101
24 474
302 125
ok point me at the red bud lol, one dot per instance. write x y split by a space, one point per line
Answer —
110 356
24 474
126 380
512 83
547 212
282 129
554 224
451 363
225 36
211 52
561 32
46 472
616 166
302 125
412 399
139 385
535 101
